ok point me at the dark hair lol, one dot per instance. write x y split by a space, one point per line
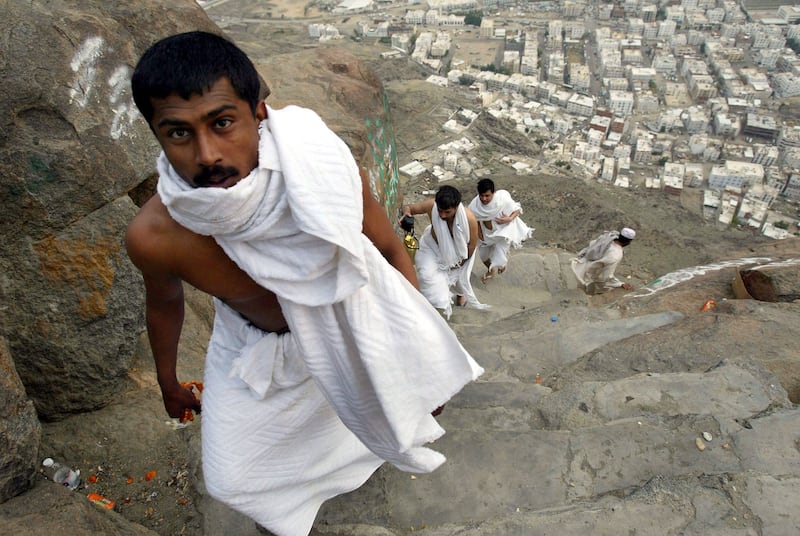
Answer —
447 197
189 64
623 241
485 185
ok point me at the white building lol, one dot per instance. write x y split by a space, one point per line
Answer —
620 102
789 13
766 155
786 85
608 171
415 16
672 177
792 188
644 150
696 120
580 105
726 124
735 174
665 63
401 42
666 29
646 102
693 174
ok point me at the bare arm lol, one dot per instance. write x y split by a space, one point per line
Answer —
472 221
164 312
423 207
379 230
507 219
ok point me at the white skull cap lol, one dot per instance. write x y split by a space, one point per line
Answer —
628 233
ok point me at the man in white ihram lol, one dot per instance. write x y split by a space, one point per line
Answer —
446 251
500 226
595 265
311 382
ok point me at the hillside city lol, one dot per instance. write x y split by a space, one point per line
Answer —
676 95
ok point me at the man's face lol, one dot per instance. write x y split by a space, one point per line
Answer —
447 214
211 139
486 197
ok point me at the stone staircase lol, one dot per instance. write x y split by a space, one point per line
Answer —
595 448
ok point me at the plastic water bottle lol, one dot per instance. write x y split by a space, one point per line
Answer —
62 474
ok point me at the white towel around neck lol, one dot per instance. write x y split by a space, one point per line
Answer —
288 237
294 225
501 205
452 248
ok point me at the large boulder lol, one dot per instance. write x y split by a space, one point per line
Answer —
71 149
20 431
772 283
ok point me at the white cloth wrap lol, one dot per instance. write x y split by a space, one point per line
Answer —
498 240
598 275
379 356
440 276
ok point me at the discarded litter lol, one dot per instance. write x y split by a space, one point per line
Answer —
175 424
700 444
61 474
150 475
102 501
188 414
707 436
710 304
553 319
538 378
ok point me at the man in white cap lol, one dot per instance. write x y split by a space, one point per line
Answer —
594 267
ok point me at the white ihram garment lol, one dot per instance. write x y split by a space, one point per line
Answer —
441 276
292 420
498 240
595 265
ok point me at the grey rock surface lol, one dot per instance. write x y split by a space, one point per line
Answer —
72 149
20 431
607 443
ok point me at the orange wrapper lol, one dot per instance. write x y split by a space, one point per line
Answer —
102 501
710 304
197 387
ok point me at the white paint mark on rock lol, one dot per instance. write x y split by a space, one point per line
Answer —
84 65
121 101
680 276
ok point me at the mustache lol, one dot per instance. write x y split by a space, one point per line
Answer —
213 174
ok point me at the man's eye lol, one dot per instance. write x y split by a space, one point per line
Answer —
178 133
224 122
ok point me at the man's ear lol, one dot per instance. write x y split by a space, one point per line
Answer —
261 110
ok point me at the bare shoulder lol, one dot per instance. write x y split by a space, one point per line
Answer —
151 235
470 215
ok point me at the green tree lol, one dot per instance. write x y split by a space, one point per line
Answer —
492 68
473 18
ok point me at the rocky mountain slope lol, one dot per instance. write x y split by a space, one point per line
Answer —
608 442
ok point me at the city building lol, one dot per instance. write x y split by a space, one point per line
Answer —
735 174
